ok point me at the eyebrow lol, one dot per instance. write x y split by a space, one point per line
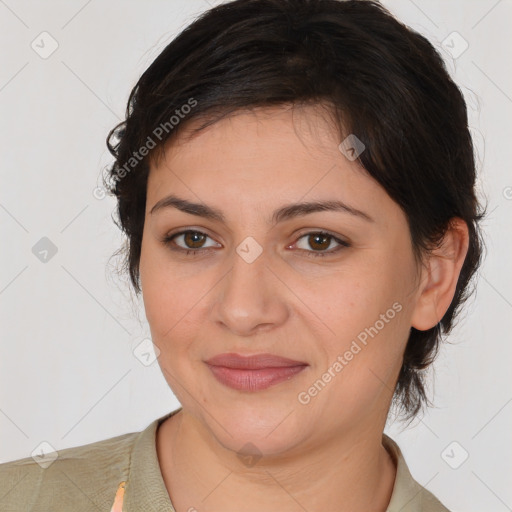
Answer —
283 213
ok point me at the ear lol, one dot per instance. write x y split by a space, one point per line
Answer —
440 275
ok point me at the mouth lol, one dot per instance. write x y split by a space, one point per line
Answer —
253 373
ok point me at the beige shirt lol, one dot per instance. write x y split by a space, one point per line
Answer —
89 477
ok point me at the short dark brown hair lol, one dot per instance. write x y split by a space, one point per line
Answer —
381 80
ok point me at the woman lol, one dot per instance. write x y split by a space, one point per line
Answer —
296 182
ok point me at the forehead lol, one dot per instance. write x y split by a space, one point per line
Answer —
261 157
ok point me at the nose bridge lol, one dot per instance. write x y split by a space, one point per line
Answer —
246 283
248 297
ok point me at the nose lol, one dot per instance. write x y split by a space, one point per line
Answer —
250 298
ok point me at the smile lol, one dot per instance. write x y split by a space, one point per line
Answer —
253 373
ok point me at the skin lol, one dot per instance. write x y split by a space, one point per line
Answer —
328 451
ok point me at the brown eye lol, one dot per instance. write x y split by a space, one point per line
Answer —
319 242
194 239
189 241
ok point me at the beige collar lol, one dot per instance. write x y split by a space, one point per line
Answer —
145 488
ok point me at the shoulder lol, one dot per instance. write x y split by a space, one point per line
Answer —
79 478
408 495
429 502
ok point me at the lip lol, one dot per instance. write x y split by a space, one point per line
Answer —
252 362
254 372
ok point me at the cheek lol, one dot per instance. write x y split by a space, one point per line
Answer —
164 291
364 355
366 310
351 298
174 298
170 304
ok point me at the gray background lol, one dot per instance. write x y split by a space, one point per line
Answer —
71 370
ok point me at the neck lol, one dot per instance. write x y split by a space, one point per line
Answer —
352 470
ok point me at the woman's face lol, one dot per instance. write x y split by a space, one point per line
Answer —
265 284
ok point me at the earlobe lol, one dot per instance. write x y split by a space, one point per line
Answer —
440 275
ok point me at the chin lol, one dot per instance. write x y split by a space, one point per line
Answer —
271 428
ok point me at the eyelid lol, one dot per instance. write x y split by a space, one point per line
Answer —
309 231
342 244
169 237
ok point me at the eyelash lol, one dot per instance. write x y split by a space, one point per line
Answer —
167 240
